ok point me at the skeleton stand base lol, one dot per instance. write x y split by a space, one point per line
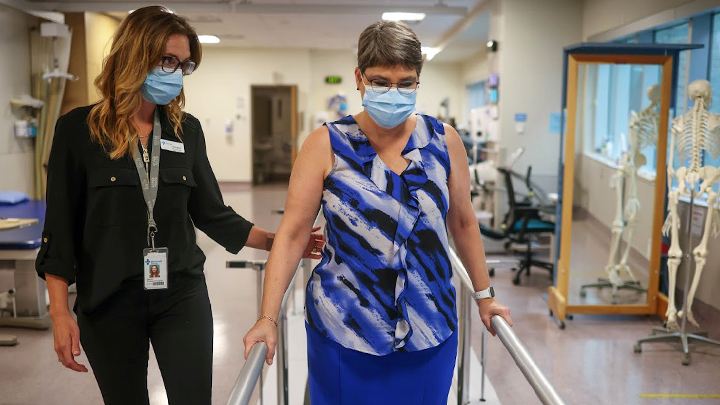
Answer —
663 335
605 283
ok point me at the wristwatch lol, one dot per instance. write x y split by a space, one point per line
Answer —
486 293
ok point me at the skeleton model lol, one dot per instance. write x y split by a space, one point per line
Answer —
643 133
694 133
7 302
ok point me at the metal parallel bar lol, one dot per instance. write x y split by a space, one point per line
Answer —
483 346
283 394
243 389
252 369
463 396
259 285
543 388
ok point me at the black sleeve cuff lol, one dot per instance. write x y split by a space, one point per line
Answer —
240 238
55 268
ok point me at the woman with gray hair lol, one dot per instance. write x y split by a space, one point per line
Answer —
380 307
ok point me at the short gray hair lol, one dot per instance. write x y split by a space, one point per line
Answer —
387 44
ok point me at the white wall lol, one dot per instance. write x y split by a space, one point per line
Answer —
332 63
530 67
437 82
99 29
604 15
220 91
16 155
472 70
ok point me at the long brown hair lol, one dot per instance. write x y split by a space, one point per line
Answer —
137 47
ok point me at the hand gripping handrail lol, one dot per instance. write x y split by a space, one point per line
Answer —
252 369
250 372
540 384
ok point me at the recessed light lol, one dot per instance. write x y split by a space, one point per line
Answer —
399 16
208 39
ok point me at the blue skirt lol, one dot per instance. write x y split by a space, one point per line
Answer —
342 376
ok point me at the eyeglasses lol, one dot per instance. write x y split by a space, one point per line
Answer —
170 64
403 87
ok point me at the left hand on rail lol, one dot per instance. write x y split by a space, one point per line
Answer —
315 245
489 308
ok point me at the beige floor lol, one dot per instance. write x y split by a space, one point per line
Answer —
591 362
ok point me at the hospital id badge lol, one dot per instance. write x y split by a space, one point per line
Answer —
155 262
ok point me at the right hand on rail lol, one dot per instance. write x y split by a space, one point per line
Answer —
67 341
489 308
263 331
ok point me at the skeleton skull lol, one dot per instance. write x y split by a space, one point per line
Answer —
653 93
701 89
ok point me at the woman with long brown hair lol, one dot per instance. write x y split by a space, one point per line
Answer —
128 180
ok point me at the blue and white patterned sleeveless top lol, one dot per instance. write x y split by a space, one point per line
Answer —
384 281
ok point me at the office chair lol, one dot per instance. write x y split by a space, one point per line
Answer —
521 225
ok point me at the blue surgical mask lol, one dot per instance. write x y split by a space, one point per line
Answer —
160 87
388 109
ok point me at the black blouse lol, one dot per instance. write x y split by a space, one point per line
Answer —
96 221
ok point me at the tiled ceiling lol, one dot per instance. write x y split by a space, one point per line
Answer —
314 24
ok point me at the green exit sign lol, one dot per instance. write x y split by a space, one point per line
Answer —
333 79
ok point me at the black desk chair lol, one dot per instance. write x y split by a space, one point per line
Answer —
522 225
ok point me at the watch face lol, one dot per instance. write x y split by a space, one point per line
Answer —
492 292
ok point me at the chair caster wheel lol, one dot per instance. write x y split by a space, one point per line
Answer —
516 281
569 317
513 269
686 360
562 325
637 348
491 272
583 294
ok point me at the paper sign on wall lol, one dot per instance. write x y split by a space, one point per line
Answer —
555 123
520 120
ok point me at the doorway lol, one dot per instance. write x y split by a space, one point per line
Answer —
274 132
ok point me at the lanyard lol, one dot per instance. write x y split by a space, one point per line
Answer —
149 181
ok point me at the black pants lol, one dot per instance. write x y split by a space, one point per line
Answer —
178 322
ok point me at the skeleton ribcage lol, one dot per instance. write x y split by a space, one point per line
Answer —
646 128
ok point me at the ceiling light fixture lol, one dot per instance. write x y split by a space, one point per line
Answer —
430 52
399 16
208 39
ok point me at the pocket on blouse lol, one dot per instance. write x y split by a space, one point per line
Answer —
177 185
113 177
114 191
178 175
